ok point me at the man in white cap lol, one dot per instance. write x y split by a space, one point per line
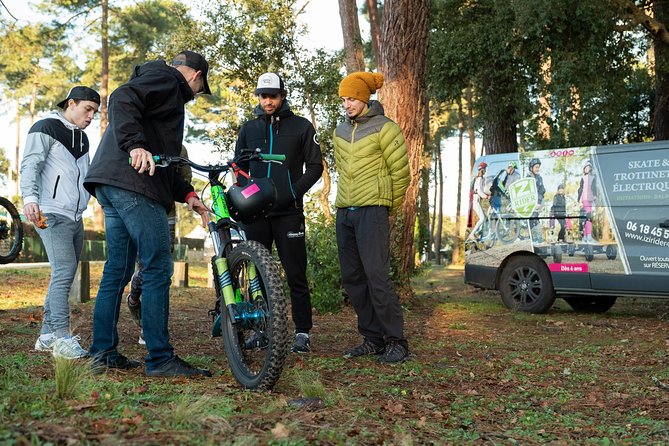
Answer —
55 162
277 130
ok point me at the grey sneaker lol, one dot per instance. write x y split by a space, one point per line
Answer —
301 344
68 348
45 342
366 348
141 340
395 352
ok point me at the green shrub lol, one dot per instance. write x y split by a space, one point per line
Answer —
323 265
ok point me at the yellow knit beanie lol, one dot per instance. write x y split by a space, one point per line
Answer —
360 85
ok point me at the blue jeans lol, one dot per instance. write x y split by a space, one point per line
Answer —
136 228
63 239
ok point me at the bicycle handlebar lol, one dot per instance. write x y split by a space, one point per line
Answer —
165 160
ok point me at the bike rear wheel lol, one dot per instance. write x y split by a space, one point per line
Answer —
262 316
11 232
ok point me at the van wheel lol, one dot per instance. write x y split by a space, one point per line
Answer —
571 250
556 251
589 253
611 252
590 304
526 285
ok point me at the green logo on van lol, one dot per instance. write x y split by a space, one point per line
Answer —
524 196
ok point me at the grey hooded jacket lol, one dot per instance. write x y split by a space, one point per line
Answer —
55 162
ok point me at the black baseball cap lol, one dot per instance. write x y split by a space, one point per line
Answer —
196 62
82 93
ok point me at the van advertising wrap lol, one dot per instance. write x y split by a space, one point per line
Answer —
636 184
584 210
586 223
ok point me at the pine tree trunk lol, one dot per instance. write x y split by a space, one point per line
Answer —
424 209
499 129
327 182
470 127
433 234
375 29
403 63
455 259
353 53
104 81
440 206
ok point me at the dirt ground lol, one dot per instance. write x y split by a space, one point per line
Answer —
479 374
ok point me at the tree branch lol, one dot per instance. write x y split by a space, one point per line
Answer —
655 28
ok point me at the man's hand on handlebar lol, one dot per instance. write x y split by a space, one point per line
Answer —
142 160
194 204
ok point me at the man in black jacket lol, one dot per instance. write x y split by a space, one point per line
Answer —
277 130
146 117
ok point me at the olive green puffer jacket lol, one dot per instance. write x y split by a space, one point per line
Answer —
371 160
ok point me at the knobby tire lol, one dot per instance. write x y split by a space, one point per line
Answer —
257 368
11 232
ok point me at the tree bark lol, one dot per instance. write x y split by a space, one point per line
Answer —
375 29
104 80
455 258
470 127
403 63
354 56
33 102
544 130
440 205
424 210
656 26
499 128
327 182
433 225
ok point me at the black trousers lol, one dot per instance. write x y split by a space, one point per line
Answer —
363 243
287 233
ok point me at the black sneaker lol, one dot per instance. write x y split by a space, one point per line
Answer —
366 348
135 307
301 344
177 367
395 352
121 362
256 340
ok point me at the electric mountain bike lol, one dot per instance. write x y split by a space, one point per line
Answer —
11 232
250 309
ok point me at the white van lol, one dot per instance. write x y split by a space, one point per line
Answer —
588 225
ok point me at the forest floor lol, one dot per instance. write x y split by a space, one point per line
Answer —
478 374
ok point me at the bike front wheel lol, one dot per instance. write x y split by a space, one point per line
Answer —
11 232
507 230
256 342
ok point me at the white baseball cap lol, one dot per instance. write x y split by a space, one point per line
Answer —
270 83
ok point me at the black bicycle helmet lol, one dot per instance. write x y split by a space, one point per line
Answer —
534 162
251 201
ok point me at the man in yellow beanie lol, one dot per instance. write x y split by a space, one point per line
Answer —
374 175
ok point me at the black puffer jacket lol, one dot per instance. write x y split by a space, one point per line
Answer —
291 135
146 112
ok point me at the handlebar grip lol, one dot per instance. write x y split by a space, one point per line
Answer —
272 157
156 158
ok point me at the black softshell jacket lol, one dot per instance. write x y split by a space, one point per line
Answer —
147 112
290 135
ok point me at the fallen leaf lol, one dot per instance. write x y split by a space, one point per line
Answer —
396 409
280 431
